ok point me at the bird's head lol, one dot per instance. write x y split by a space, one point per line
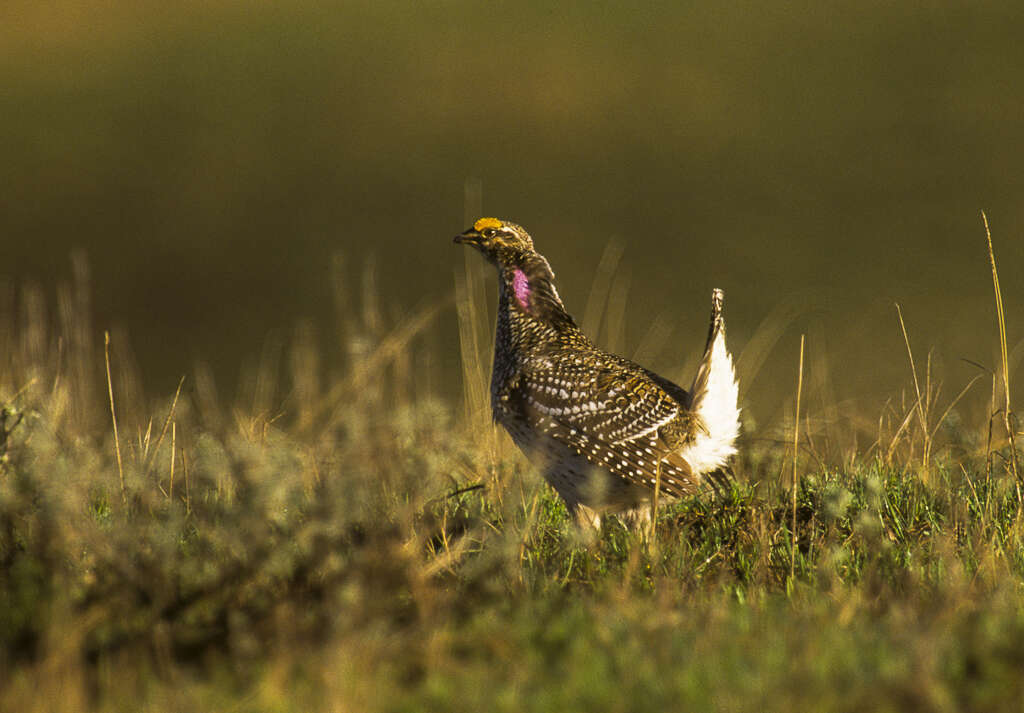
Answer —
502 243
526 279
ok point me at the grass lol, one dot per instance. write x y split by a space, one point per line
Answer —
342 541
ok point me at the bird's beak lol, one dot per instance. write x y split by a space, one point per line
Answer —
470 237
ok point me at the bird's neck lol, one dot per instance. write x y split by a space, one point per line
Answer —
531 319
529 300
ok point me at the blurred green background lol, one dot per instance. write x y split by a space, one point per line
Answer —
818 161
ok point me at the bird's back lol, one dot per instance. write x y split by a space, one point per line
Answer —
597 424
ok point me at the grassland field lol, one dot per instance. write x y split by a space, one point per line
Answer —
340 538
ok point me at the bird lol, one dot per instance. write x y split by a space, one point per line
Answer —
607 434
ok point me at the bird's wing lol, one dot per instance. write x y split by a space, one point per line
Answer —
618 418
597 398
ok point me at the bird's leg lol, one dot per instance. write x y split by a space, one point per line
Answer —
654 500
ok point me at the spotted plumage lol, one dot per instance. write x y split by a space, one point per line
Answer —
605 432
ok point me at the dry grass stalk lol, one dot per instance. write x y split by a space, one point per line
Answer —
921 404
796 446
163 430
113 415
1001 317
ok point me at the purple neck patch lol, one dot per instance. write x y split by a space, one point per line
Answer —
521 286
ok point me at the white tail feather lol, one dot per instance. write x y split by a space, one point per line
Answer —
715 397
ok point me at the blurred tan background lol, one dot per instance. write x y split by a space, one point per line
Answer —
818 161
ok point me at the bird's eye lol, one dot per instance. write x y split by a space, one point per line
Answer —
489 233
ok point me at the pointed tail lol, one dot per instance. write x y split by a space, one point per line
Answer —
714 399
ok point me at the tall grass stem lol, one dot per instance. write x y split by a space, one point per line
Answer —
796 446
1001 317
113 415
